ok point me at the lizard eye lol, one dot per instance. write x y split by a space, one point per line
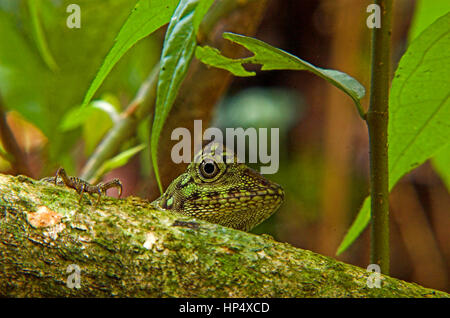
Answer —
208 169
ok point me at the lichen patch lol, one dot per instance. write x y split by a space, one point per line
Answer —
43 217
54 230
150 240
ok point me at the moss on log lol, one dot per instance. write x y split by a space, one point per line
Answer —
125 248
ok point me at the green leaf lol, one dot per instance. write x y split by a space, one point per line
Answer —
419 109
212 56
100 121
425 13
419 106
38 34
146 17
179 46
272 58
360 223
76 117
118 161
96 119
441 163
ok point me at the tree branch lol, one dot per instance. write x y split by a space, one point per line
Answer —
125 248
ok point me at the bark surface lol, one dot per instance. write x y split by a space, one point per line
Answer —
125 248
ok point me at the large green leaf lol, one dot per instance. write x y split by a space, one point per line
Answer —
419 109
425 13
179 46
272 58
146 17
419 101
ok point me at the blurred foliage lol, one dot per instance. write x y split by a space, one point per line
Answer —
260 107
42 95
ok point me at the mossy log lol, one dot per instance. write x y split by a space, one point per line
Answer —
125 248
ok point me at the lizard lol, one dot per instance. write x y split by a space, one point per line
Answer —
215 187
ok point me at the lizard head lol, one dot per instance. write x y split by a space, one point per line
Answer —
217 188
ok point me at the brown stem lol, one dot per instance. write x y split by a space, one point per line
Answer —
377 122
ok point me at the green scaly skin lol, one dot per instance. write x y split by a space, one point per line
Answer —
217 188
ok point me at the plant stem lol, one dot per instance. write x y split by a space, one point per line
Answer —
377 122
